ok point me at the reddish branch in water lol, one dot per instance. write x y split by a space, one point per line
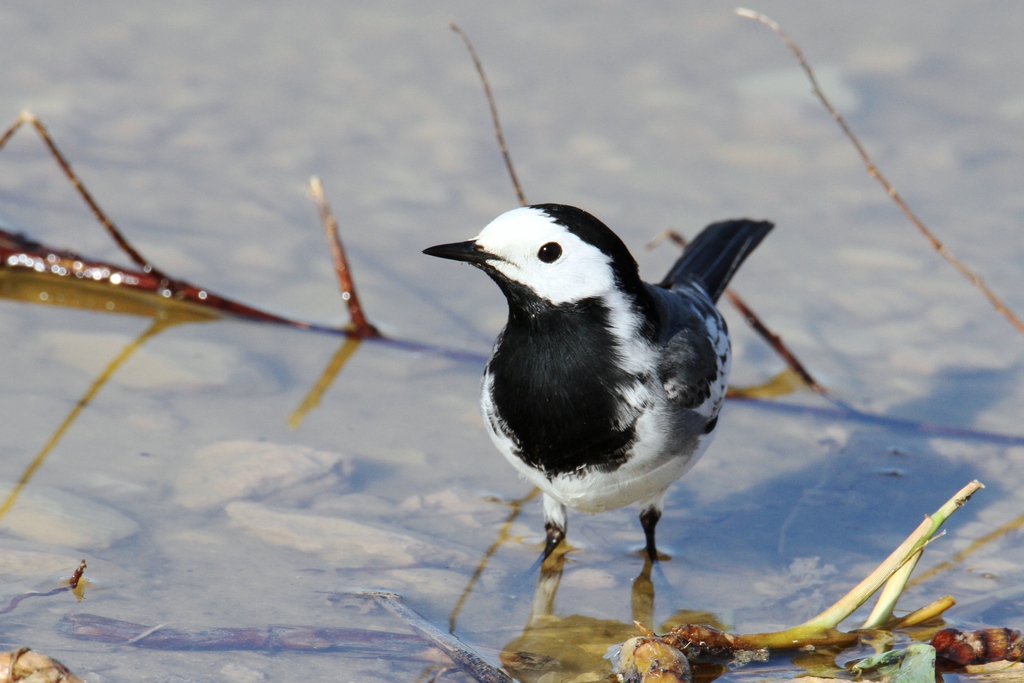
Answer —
65 166
362 328
17 251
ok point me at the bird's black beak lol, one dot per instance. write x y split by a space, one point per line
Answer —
469 252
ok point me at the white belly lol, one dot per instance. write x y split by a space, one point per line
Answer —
663 451
639 479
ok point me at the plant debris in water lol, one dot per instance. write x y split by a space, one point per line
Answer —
75 584
651 657
25 666
648 657
19 252
913 664
978 647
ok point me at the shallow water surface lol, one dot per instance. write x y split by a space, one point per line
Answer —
184 471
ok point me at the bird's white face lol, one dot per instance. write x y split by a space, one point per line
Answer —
530 248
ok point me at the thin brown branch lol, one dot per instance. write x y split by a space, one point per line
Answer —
754 320
775 341
873 171
494 114
126 246
9 133
21 254
363 328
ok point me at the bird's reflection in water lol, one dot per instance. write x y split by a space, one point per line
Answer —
557 648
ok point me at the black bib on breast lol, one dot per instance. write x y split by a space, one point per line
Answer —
557 389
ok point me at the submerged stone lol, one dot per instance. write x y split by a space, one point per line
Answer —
236 470
342 542
48 515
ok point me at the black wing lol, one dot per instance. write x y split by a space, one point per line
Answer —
688 366
714 255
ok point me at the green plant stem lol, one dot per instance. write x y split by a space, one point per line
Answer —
822 628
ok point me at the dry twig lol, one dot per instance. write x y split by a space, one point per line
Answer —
363 328
17 251
494 113
65 166
873 171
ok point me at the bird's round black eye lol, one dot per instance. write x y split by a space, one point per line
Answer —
550 252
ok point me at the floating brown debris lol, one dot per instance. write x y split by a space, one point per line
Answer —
706 643
700 643
650 659
978 647
77 575
25 666
75 584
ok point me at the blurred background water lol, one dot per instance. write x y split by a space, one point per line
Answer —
197 126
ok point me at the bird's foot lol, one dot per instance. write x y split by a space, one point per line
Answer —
653 555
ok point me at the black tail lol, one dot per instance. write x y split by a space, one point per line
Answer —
714 255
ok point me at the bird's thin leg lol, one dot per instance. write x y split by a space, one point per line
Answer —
649 517
554 524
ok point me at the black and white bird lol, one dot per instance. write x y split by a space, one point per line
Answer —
602 389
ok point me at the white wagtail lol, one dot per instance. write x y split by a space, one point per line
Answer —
602 389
